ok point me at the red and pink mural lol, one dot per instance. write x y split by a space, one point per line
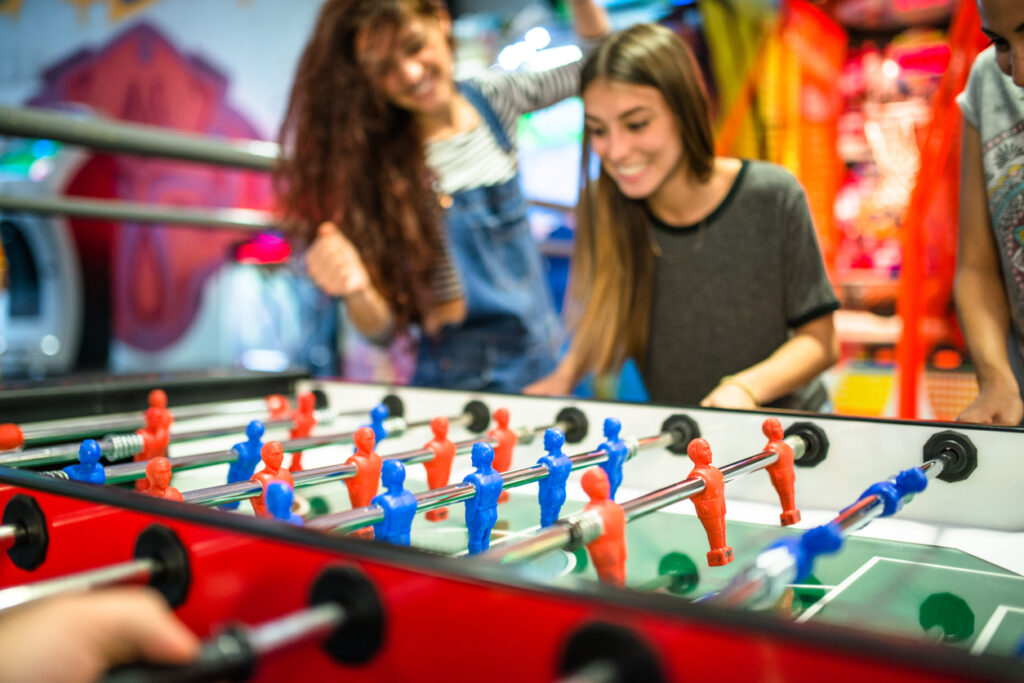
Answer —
156 273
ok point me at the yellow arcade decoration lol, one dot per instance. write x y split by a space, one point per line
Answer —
778 100
10 7
118 9
737 32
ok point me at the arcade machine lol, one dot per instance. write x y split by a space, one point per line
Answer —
41 307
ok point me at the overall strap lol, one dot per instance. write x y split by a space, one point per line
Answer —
471 92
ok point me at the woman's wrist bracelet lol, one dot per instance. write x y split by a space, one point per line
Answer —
735 381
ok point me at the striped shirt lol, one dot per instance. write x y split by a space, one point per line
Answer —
474 158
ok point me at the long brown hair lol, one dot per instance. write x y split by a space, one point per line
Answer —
613 261
350 156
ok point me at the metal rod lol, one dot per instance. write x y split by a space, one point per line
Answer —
225 493
131 471
563 532
36 433
49 431
46 455
320 475
868 508
137 139
9 534
112 449
681 490
600 671
933 468
191 411
860 514
761 584
296 627
228 493
373 512
135 570
237 648
137 212
555 537
761 581
350 520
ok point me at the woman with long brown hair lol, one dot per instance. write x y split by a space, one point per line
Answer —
705 269
406 185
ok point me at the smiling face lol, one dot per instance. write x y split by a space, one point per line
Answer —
635 134
412 64
1003 23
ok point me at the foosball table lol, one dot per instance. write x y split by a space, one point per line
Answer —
399 533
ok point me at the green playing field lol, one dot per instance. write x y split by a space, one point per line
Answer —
902 589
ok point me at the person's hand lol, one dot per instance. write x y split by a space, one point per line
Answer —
555 384
334 264
998 404
77 637
729 395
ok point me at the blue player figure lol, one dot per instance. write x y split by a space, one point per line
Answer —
398 503
88 468
552 487
482 508
378 414
278 498
617 451
248 453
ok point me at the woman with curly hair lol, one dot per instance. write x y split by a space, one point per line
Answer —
405 184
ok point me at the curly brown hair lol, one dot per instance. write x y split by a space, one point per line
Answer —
352 157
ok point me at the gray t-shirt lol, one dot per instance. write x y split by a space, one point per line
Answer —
729 290
995 106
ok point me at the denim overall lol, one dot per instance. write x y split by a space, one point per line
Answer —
510 336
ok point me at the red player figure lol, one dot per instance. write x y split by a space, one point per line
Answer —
278 407
154 441
157 399
710 502
11 437
439 468
506 440
363 487
781 472
273 459
158 478
303 421
608 552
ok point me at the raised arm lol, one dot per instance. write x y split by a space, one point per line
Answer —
526 91
589 19
336 267
981 297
